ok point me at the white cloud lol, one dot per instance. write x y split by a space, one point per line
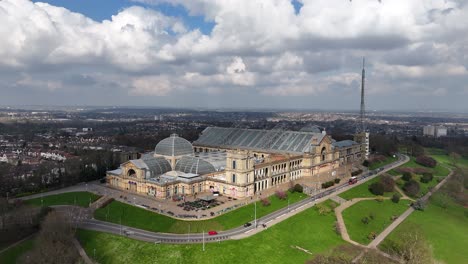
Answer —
151 85
264 46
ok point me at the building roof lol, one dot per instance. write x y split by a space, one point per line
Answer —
262 140
174 146
216 158
311 128
154 165
194 165
344 143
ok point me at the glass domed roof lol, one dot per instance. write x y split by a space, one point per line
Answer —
174 146
195 165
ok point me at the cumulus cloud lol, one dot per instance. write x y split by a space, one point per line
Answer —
267 48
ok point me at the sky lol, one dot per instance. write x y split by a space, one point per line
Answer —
280 54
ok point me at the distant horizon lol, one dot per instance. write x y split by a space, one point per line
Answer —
208 108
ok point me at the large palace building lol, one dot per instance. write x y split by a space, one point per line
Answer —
236 162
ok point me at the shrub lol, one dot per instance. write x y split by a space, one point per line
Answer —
298 188
365 220
323 209
407 176
388 183
365 163
396 198
426 161
379 198
426 177
281 195
337 180
355 173
411 187
419 205
372 235
376 188
328 184
266 202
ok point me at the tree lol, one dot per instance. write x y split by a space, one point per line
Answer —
376 188
298 188
420 205
426 177
395 198
388 183
54 243
426 161
455 157
441 199
407 176
411 187
265 202
411 247
281 195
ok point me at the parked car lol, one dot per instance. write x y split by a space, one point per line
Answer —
212 233
247 224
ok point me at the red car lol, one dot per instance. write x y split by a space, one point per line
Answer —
212 233
353 180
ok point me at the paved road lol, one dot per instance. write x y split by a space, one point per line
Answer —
239 232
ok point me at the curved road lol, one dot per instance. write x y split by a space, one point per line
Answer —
239 232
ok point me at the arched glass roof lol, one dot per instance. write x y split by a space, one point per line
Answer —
174 146
189 164
157 165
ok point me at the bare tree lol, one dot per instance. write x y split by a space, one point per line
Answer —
54 243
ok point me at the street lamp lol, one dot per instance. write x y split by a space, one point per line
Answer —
203 240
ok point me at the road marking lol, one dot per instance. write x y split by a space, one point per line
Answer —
268 222
248 231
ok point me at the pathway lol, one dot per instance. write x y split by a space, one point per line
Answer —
374 244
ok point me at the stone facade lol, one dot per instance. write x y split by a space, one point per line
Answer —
245 172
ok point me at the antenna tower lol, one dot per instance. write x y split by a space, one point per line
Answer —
363 78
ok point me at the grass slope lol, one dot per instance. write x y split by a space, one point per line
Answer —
70 198
362 191
307 230
144 219
387 161
382 212
445 229
11 255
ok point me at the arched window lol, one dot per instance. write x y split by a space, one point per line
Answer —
131 173
234 164
324 150
233 178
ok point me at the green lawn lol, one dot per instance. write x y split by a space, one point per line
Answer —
439 170
144 219
388 160
382 213
307 230
12 254
70 198
362 191
445 229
